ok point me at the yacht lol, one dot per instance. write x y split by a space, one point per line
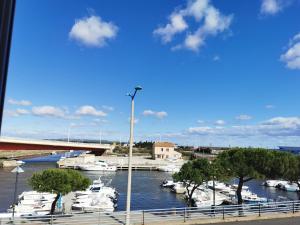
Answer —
98 166
97 197
169 168
167 183
292 187
203 197
95 204
274 183
33 203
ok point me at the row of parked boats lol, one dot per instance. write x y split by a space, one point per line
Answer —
97 197
203 196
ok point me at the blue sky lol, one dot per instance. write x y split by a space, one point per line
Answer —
213 72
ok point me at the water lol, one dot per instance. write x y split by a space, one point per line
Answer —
146 192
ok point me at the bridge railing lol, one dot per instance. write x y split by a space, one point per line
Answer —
159 216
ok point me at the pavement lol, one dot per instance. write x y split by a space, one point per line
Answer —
283 221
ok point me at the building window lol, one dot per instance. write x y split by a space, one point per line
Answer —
167 150
162 149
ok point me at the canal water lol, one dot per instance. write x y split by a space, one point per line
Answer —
146 191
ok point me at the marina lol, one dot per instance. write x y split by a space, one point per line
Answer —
147 191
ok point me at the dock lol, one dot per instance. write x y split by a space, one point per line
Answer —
138 162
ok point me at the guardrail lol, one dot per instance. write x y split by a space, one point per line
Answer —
142 217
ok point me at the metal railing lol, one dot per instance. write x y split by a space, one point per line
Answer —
143 217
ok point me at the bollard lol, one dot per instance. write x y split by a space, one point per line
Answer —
223 211
259 209
184 215
143 217
51 220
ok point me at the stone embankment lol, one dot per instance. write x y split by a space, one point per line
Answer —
8 163
138 162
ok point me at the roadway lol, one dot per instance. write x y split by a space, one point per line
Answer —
282 221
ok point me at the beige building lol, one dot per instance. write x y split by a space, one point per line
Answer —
164 150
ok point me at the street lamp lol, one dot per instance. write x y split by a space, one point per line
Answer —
16 170
136 89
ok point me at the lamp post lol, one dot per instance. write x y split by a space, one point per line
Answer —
16 170
136 89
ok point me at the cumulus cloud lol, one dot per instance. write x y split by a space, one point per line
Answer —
200 121
209 19
243 117
48 110
93 31
274 127
292 56
220 122
160 114
271 7
20 102
88 110
200 130
17 112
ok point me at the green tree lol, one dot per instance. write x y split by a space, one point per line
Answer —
193 174
291 164
245 164
58 181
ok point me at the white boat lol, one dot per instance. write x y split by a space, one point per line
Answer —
203 197
94 205
167 183
293 187
254 199
179 188
20 162
219 186
169 168
33 203
98 166
97 197
274 183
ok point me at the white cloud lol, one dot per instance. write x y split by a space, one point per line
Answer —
201 130
88 110
177 24
292 56
200 121
21 102
209 19
271 7
17 112
93 31
243 117
48 110
274 127
160 114
269 106
220 122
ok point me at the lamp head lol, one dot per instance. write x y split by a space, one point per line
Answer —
138 88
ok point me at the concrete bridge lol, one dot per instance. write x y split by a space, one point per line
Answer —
13 144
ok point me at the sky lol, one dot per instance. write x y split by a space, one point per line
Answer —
221 73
